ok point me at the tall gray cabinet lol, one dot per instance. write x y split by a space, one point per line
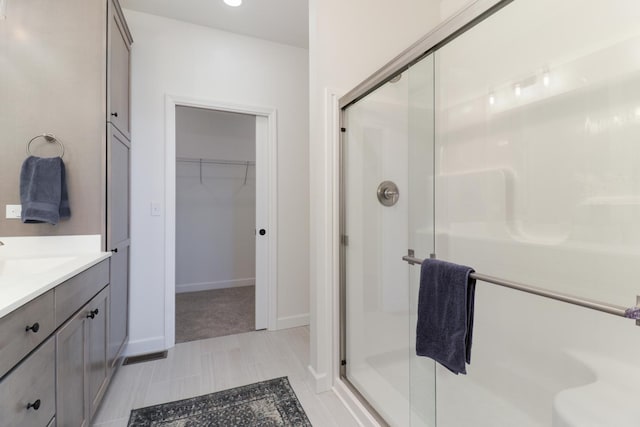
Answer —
118 165
90 344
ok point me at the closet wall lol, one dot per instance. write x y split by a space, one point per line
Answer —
215 209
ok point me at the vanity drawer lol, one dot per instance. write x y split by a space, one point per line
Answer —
76 292
31 383
16 341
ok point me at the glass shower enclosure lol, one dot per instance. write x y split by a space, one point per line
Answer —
388 207
513 147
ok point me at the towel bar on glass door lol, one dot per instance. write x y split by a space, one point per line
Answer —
629 313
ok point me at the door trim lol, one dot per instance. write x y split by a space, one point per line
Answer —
270 161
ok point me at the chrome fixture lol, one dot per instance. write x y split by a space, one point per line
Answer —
388 193
616 310
49 137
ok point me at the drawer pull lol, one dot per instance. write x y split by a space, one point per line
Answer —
34 328
93 313
35 405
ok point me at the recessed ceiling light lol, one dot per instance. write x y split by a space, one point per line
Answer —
233 3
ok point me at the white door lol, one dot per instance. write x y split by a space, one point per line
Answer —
262 221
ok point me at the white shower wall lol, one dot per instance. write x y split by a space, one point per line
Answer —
215 216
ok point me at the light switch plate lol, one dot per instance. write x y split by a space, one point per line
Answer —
155 208
14 211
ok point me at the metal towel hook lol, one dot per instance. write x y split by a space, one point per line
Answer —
49 137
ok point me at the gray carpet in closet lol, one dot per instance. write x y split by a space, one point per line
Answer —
209 314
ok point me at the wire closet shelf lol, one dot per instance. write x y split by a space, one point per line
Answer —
204 161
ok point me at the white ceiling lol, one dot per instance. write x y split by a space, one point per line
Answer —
281 21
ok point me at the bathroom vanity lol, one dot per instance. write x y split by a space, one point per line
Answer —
55 313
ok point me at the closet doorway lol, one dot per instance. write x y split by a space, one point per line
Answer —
223 238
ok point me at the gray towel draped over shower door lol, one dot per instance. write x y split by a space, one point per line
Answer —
445 314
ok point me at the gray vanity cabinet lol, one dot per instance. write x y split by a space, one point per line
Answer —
81 363
24 329
97 319
71 389
27 394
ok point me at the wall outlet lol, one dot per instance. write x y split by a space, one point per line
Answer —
14 211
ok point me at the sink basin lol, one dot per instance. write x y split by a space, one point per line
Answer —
29 266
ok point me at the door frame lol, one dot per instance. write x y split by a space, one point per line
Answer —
267 157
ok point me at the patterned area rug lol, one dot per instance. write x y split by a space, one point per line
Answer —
267 403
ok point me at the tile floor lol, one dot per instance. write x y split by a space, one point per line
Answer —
205 366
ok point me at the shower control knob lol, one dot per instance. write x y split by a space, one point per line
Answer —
388 193
262 231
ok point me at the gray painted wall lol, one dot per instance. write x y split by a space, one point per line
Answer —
53 66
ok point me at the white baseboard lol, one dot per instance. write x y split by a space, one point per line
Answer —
292 321
147 345
208 286
322 381
353 405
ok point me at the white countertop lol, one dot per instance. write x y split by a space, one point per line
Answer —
30 266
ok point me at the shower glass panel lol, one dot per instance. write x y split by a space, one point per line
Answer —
538 181
420 200
389 137
377 297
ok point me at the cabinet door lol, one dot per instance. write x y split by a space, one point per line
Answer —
118 185
118 72
119 304
118 171
71 397
27 394
81 363
97 319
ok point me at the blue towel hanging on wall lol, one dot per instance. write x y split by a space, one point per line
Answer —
43 190
445 314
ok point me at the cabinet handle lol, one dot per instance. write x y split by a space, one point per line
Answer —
93 313
114 250
35 405
115 114
34 328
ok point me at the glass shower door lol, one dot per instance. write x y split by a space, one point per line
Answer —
421 238
388 208
376 293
